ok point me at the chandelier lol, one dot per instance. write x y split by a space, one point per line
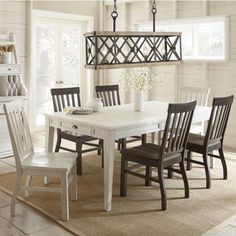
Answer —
107 49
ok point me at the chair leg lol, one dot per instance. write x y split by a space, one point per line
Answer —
153 137
123 144
222 158
119 144
58 144
100 147
159 137
123 177
170 172
64 198
144 139
74 196
212 162
189 157
207 171
79 158
27 185
162 189
102 157
148 174
14 195
185 179
100 151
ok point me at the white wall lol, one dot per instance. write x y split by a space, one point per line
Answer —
14 18
220 76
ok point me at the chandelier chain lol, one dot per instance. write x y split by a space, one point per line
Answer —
154 12
114 15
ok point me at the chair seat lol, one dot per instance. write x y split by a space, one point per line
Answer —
50 161
196 142
143 153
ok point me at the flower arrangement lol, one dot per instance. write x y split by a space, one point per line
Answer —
138 78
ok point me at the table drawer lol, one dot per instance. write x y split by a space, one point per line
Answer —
8 69
75 127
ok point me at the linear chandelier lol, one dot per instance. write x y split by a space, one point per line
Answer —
107 49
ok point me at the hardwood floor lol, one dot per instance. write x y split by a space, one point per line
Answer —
30 222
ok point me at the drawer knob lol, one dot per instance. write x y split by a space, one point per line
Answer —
9 68
75 127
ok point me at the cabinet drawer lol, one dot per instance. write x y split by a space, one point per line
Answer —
10 69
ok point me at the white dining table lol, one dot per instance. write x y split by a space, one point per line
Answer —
114 123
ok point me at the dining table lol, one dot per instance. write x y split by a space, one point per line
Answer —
114 123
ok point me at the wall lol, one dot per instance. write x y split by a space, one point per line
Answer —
87 8
14 18
220 76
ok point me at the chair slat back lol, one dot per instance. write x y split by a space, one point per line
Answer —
177 127
188 94
219 118
19 131
65 97
109 94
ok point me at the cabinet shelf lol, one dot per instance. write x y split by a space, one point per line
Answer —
6 43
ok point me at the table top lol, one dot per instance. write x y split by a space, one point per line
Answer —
124 115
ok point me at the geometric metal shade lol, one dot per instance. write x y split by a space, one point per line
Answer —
106 49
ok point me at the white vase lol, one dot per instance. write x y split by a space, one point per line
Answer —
7 58
138 100
96 104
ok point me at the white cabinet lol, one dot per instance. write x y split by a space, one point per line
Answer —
11 88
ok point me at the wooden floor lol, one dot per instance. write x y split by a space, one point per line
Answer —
29 222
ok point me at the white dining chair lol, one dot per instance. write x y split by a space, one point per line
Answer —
188 94
201 95
29 163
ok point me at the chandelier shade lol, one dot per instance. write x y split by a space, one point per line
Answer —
107 50
111 49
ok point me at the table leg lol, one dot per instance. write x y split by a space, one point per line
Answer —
109 141
49 136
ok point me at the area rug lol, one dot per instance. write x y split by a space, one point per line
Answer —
139 213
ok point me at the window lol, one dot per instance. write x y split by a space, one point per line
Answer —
202 38
58 53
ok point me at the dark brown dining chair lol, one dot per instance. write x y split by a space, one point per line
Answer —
63 97
164 156
213 140
110 97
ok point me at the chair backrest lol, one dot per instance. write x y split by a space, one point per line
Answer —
109 94
177 127
19 131
188 94
218 119
65 97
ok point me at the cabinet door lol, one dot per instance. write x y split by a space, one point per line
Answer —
5 142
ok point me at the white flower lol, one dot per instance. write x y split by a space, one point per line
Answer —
138 78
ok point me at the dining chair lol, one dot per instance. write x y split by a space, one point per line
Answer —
66 97
170 152
188 94
110 97
29 163
213 139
